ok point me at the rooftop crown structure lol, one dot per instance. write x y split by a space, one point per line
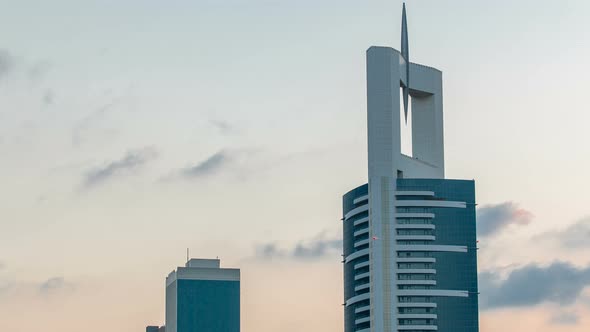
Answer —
410 260
387 71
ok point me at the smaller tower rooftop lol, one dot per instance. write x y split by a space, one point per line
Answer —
204 263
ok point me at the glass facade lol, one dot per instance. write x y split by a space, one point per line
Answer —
454 270
435 269
351 280
207 305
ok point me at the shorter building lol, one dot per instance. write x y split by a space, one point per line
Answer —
203 297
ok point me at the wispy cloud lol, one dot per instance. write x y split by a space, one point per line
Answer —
9 286
5 287
39 70
223 127
565 318
560 283
55 284
48 97
209 166
132 161
491 219
316 248
34 71
238 163
7 63
575 236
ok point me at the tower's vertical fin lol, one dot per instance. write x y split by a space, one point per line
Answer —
406 56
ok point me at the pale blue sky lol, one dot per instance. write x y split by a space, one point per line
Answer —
138 94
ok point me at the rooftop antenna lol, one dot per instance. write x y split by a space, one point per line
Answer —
187 255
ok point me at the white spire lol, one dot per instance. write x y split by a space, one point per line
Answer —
406 56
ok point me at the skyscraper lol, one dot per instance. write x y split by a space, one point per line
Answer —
203 297
410 261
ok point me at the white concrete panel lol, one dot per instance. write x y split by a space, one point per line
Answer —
361 287
360 221
417 305
433 292
416 260
362 320
416 237
417 316
361 232
356 211
421 271
361 265
357 254
417 282
362 309
360 199
418 328
428 203
414 193
442 248
414 215
361 276
361 243
414 226
356 299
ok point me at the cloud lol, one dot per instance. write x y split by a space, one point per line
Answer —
48 97
575 236
493 218
9 286
7 63
240 163
53 285
269 250
5 287
39 70
565 318
133 160
222 126
316 248
208 166
530 285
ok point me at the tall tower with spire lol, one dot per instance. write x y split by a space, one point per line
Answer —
410 260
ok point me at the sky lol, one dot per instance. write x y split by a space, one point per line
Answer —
132 130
